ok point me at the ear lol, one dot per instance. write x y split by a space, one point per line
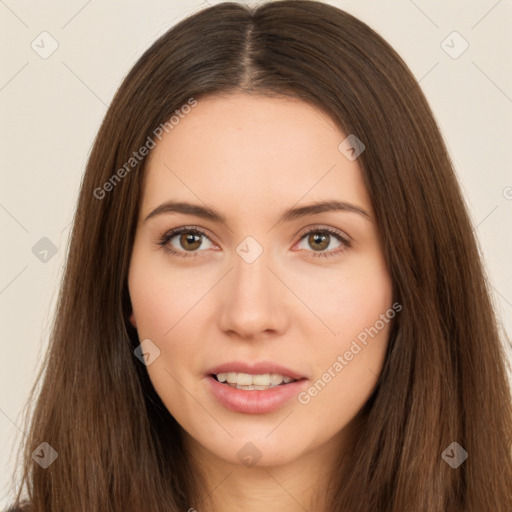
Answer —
132 320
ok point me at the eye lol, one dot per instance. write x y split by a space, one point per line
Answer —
319 239
184 240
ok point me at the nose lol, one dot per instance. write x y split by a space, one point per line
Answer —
253 301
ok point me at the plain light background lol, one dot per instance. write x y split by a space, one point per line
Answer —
51 109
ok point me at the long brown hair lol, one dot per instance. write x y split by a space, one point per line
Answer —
444 378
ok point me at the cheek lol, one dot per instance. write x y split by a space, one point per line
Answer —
161 300
154 311
158 296
158 309
357 306
346 373
351 300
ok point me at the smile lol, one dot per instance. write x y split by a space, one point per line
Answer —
250 382
254 398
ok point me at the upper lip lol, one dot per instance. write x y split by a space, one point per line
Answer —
255 368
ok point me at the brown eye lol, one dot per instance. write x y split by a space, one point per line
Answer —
190 241
185 242
319 241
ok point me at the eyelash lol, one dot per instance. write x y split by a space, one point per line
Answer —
164 241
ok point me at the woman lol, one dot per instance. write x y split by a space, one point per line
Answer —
273 297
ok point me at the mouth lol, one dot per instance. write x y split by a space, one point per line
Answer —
249 382
255 387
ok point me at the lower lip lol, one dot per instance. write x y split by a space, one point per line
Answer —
255 401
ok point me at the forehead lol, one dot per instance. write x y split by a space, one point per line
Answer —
252 149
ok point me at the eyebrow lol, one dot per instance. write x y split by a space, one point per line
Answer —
287 216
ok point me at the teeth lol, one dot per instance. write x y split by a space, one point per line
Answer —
262 380
244 379
249 387
247 381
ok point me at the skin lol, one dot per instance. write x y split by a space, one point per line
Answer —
251 158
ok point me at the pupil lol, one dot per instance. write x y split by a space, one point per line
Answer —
318 238
190 237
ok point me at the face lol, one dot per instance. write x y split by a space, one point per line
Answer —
245 280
